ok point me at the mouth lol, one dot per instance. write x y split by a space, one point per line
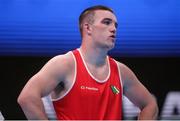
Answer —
113 36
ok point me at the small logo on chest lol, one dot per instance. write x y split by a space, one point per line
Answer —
114 89
89 88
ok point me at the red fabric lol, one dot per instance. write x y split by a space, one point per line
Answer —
89 99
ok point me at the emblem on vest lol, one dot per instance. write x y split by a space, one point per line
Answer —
114 89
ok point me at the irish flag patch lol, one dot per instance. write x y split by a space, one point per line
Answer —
115 89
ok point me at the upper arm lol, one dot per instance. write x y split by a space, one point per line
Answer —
53 72
133 88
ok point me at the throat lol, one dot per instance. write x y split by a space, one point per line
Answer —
94 57
99 73
97 65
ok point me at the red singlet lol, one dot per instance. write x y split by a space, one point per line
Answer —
90 99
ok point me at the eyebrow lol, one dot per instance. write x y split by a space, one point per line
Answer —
109 19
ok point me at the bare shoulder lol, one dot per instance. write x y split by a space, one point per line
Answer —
66 59
61 62
58 68
127 75
124 69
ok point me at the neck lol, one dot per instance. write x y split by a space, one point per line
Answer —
93 56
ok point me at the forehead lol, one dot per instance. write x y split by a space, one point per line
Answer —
101 14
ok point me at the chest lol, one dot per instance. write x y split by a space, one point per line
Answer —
98 72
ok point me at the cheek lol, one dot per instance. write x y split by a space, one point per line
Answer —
102 31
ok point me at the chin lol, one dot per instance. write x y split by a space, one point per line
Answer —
110 47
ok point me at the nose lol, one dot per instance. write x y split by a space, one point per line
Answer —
113 29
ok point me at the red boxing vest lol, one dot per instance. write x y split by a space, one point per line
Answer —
90 99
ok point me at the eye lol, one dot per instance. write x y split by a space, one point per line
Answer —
106 22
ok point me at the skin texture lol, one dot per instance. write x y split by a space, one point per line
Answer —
97 39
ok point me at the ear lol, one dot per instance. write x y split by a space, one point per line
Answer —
87 28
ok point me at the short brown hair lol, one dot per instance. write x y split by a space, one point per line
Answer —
88 14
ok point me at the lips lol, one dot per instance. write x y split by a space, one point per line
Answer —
113 36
